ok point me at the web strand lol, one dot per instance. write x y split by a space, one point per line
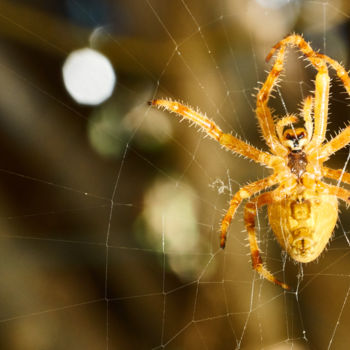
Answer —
122 251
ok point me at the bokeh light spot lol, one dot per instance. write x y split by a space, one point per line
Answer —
88 76
274 4
170 215
105 131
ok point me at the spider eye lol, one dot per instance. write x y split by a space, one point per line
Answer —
301 135
290 137
295 136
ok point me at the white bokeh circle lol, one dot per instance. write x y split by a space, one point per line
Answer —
88 76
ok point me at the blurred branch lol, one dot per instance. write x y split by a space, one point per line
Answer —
57 36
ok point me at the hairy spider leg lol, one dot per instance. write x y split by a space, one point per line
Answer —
343 138
336 174
339 69
249 219
211 129
337 191
322 83
298 41
337 143
263 111
306 113
245 192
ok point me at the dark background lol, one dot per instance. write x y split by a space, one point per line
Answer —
110 214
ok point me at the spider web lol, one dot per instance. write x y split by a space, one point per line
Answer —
110 215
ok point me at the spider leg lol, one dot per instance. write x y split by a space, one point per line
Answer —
306 113
322 82
304 47
334 145
336 174
249 218
342 139
263 112
228 141
337 191
245 192
339 69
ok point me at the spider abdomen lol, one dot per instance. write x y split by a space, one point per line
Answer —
304 224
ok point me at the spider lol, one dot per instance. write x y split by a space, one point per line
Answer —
302 209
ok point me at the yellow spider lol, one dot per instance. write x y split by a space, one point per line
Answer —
302 209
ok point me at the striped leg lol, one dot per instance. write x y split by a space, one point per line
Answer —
337 191
336 174
243 193
342 139
306 113
263 112
249 219
228 141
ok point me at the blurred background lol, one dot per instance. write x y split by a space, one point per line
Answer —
110 210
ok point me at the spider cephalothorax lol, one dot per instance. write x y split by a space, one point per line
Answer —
302 209
294 139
